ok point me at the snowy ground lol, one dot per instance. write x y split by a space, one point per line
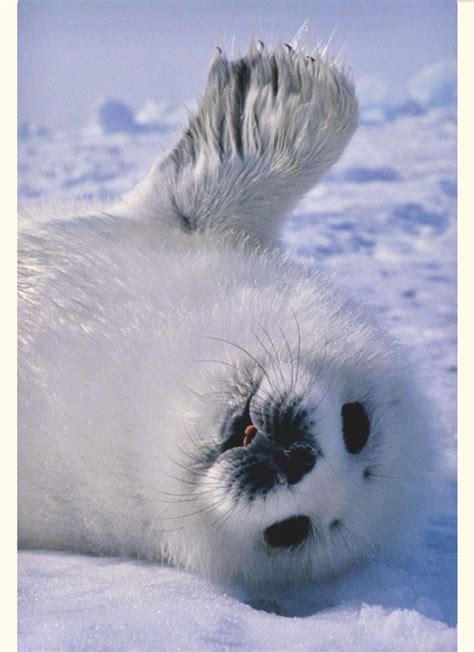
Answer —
384 222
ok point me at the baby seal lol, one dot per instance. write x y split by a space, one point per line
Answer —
188 391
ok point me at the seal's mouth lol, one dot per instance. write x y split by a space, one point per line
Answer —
288 533
240 430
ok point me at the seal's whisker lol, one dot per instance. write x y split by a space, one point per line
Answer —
290 354
298 355
277 358
269 355
246 352
317 370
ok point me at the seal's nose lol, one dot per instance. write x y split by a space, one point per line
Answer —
286 421
296 462
288 533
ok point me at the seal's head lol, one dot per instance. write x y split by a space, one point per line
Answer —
306 450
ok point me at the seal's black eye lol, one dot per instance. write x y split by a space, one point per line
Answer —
355 427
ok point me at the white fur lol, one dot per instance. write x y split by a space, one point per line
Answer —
267 128
133 326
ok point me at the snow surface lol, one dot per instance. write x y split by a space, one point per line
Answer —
384 223
435 85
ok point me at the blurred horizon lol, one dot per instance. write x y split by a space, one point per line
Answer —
73 53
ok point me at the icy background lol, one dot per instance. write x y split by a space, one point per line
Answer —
383 222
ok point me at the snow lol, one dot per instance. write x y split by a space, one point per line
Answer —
112 115
75 603
435 85
384 224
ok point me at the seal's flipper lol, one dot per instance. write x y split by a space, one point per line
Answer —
268 126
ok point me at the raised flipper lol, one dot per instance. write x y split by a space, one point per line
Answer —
267 128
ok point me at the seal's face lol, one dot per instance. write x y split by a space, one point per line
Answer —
305 463
274 445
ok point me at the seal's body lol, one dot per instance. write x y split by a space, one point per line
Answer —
189 392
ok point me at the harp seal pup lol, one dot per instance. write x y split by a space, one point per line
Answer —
188 391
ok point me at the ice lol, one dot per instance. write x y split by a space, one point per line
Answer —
112 115
27 130
432 86
435 85
383 223
159 116
86 603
